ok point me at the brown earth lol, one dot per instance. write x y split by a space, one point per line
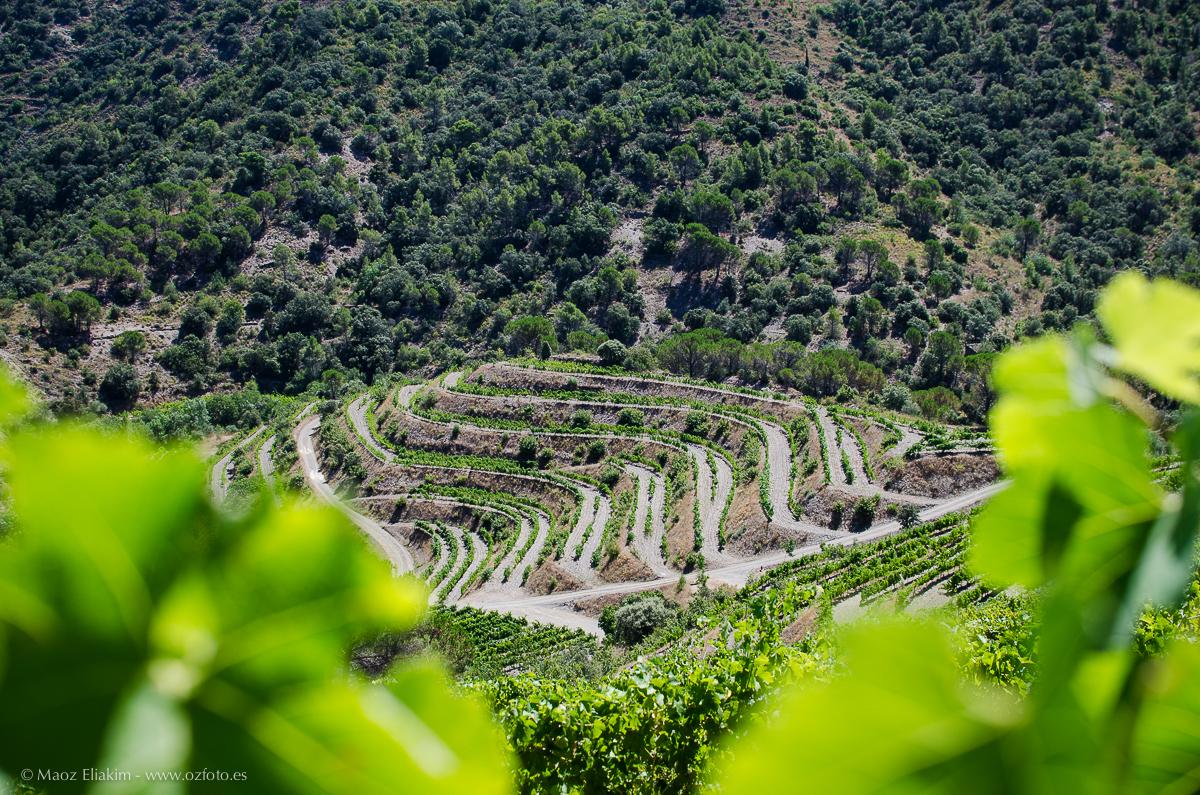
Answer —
680 532
552 578
820 505
503 375
944 476
624 568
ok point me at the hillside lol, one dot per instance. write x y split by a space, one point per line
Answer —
197 197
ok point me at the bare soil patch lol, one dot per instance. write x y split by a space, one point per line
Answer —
624 568
552 578
944 476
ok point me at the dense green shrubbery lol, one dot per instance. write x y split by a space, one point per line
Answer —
474 158
196 417
635 618
657 725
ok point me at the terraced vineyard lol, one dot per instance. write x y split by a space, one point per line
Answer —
546 489
506 644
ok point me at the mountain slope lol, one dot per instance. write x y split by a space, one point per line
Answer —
270 193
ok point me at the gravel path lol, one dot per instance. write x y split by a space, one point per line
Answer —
435 566
861 486
908 439
712 501
585 536
400 558
855 455
649 523
739 573
494 584
455 536
479 553
219 477
266 464
525 529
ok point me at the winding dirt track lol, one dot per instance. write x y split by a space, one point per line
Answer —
450 535
555 607
524 530
219 478
649 522
713 487
478 553
266 465
738 574
592 517
395 552
712 501
713 483
779 449
862 485
496 583
585 537
435 566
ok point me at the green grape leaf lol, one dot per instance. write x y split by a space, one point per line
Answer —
86 572
1037 371
1165 752
290 594
116 552
429 714
1155 328
149 733
341 738
1080 476
143 630
901 720
1006 538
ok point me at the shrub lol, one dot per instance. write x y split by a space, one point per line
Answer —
596 450
631 417
637 617
527 448
128 345
611 352
119 389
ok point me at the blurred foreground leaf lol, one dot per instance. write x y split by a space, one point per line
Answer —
140 629
1083 502
902 720
1155 327
1085 522
1166 742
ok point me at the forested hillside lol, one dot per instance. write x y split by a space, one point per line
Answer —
866 197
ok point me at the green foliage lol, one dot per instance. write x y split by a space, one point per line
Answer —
1149 323
197 417
529 334
915 714
120 386
497 644
389 141
129 345
635 618
1000 637
654 726
708 354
